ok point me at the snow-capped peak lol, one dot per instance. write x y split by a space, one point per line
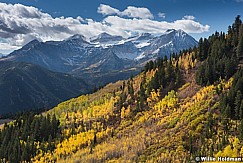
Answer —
104 35
76 51
170 30
179 31
105 38
77 37
31 44
35 41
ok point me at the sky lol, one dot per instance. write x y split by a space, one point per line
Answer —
24 20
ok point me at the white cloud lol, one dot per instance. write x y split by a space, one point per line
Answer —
137 12
107 10
130 11
79 18
152 26
189 17
190 26
161 15
20 24
7 48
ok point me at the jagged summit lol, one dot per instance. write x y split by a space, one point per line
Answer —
76 37
170 30
81 56
32 43
106 38
104 35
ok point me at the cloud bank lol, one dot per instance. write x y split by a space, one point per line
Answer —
130 11
20 24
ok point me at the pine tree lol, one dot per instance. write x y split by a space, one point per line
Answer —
228 111
169 72
200 50
240 44
24 156
241 110
141 98
236 28
130 89
205 48
200 75
49 144
229 68
241 129
161 76
223 102
237 104
155 81
209 73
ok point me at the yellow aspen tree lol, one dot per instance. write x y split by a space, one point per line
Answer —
123 112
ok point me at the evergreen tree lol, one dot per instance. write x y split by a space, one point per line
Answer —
169 73
241 110
200 75
200 50
25 155
240 44
141 98
49 144
178 78
209 73
236 28
237 104
161 76
130 89
229 68
241 129
227 111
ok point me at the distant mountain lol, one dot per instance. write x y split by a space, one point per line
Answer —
171 42
106 38
25 86
103 54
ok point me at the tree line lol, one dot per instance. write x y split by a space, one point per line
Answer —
26 136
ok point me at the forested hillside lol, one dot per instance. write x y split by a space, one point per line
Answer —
178 108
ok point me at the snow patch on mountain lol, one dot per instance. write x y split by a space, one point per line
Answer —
103 52
141 56
142 44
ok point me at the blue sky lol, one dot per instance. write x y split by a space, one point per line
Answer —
59 19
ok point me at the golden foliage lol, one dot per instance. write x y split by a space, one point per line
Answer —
95 130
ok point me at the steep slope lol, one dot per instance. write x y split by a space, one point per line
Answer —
25 86
173 41
157 133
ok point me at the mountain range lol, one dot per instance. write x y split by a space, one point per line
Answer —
94 59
